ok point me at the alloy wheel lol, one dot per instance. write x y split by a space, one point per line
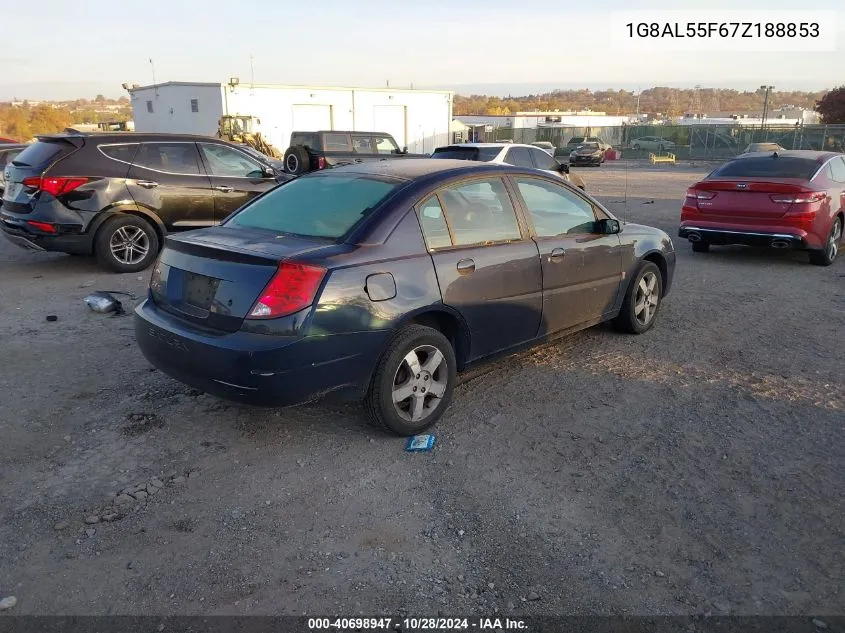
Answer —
129 245
645 305
419 383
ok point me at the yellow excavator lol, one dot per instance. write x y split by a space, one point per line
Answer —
242 129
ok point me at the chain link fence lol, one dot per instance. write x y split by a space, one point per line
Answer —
701 142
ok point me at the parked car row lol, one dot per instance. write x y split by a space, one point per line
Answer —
269 297
528 156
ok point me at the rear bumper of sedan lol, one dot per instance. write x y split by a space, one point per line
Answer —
761 238
256 369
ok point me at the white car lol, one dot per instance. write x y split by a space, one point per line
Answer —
652 142
509 154
763 147
546 146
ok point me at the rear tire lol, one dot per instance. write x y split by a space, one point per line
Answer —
126 244
642 300
297 160
700 247
828 255
397 394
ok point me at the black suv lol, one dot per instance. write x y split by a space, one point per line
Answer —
312 151
117 195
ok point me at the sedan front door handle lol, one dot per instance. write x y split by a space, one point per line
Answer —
147 184
224 189
557 254
466 266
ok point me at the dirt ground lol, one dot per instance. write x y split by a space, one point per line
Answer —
698 468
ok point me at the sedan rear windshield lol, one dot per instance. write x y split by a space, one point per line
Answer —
322 206
768 167
40 153
483 154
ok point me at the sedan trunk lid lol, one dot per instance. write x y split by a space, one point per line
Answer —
213 277
758 198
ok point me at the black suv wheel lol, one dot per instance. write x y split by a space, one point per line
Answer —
126 244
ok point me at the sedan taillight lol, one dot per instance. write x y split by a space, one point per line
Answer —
697 194
291 289
799 198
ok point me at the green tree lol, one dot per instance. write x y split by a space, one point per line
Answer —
831 106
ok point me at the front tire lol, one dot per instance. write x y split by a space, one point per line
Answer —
700 247
413 382
642 301
827 256
126 244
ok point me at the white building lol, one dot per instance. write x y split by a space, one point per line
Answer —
783 117
527 120
418 119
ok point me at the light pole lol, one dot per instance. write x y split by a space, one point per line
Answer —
767 90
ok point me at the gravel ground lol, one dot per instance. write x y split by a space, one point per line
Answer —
697 468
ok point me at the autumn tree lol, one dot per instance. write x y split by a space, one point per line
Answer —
831 106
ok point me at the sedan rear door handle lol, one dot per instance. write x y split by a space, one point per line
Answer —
147 184
224 189
466 266
557 254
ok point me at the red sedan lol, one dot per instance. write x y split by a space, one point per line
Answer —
788 199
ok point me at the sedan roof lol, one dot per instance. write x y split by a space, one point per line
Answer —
821 157
414 168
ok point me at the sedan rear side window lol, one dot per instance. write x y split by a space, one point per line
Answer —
519 157
433 224
479 212
768 167
837 169
324 205
555 210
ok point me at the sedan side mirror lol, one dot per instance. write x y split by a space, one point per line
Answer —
608 227
564 168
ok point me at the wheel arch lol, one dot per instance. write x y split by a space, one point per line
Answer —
115 211
658 259
448 322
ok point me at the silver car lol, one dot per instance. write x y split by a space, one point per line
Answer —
652 143
509 154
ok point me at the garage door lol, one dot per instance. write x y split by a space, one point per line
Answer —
390 119
312 118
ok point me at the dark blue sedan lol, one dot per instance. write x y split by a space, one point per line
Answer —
381 281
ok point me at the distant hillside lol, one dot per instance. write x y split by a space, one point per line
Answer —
667 101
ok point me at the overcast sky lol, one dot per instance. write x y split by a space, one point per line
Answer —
60 49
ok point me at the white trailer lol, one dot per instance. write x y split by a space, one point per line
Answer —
418 119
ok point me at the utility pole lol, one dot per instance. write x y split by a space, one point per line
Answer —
768 90
155 86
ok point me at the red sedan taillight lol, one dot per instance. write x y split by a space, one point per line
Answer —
698 194
291 289
799 198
